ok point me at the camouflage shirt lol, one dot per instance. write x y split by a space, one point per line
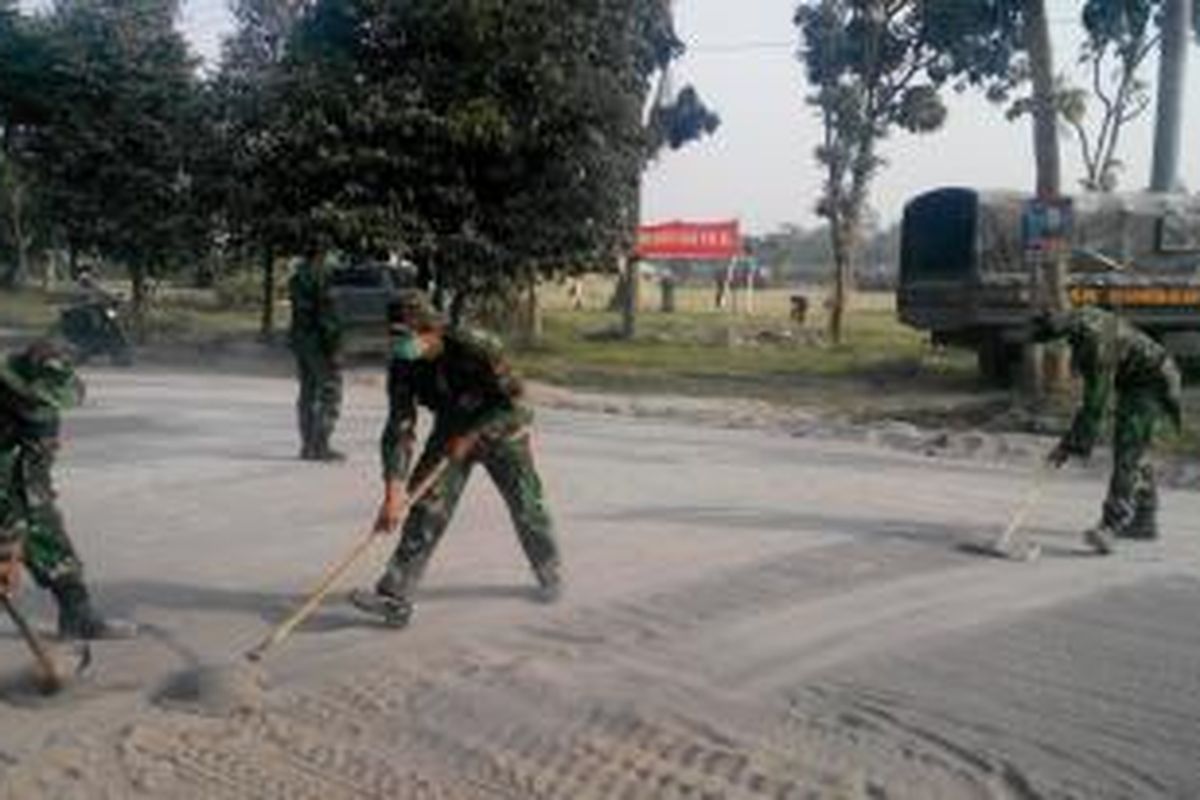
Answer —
28 444
314 323
468 386
1111 355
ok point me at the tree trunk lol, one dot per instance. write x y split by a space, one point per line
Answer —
533 315
267 323
14 277
628 267
137 277
1048 277
1172 69
843 267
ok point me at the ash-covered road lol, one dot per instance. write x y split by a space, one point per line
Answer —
748 615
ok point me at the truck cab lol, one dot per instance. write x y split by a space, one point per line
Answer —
965 277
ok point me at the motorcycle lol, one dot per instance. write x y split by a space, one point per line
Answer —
94 327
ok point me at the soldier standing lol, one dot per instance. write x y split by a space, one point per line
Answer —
315 339
461 376
35 384
1113 357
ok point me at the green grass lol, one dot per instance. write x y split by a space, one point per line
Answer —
763 357
29 309
182 321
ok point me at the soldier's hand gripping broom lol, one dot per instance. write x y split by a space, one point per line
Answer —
336 571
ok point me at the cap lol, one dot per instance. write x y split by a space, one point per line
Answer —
42 373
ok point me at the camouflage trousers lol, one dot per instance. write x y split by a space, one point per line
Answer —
508 459
35 522
320 400
1132 500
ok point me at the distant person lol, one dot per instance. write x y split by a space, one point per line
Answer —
478 417
1113 357
315 337
799 311
35 385
575 292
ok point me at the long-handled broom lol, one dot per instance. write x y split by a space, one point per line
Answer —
238 686
47 676
1001 546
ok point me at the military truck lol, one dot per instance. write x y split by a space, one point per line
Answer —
965 276
360 294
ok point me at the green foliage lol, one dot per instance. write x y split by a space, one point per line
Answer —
241 289
489 141
110 134
872 71
975 41
760 357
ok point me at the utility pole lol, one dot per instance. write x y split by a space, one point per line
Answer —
1172 68
1045 372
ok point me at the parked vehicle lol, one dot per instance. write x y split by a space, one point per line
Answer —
964 275
361 293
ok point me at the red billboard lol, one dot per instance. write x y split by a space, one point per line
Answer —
700 240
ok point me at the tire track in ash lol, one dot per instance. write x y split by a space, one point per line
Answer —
1098 698
663 620
527 727
520 729
264 756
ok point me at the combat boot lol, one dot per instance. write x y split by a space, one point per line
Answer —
321 451
78 618
1100 538
394 610
1143 526
549 580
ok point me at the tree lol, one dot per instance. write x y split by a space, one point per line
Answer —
23 76
112 150
1120 37
872 72
492 142
245 172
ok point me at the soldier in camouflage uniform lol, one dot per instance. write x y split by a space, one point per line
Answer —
315 338
34 385
1113 357
461 376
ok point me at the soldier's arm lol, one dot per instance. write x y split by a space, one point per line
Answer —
396 445
1097 384
399 432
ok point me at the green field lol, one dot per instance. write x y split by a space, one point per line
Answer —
759 353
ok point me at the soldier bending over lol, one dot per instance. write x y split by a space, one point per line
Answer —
460 375
1114 357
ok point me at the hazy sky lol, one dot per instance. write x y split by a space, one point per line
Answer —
759 167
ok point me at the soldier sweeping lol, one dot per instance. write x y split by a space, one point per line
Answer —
461 376
315 338
1113 357
35 384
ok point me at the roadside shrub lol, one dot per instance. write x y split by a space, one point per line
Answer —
242 288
